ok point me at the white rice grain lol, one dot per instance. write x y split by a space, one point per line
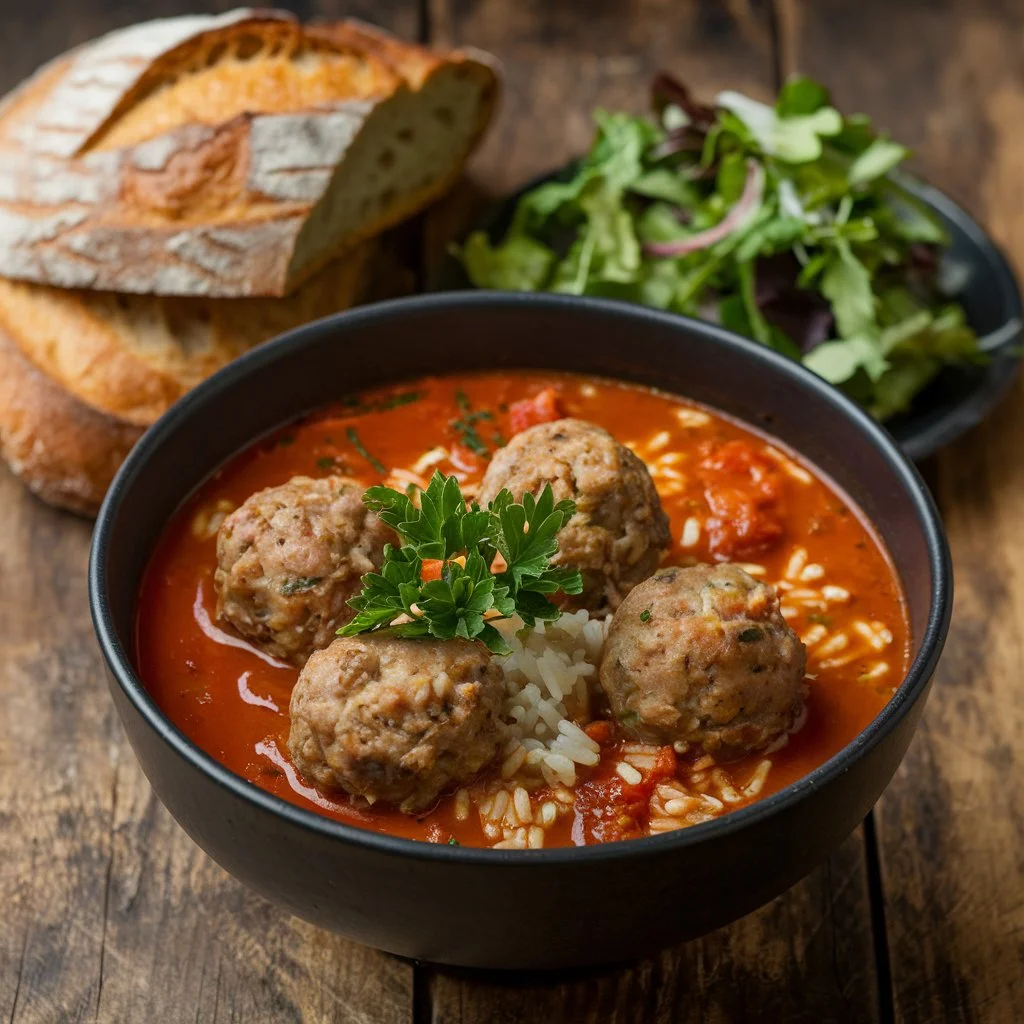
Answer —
691 532
521 800
758 779
796 563
514 761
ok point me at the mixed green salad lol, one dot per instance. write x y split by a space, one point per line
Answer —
779 222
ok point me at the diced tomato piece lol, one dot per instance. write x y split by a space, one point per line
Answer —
600 732
544 407
431 569
742 488
610 809
664 766
466 459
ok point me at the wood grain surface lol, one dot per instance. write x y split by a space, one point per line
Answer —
951 825
111 913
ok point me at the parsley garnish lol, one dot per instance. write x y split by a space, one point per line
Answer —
645 615
452 841
465 425
325 462
361 448
466 540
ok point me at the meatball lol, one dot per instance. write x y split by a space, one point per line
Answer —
703 656
290 558
395 719
619 532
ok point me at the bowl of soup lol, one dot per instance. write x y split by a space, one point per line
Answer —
518 631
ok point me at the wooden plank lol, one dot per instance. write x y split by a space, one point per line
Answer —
109 911
951 826
809 955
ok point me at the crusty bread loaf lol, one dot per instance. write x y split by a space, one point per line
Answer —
83 373
226 156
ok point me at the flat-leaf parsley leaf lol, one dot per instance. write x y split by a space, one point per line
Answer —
468 541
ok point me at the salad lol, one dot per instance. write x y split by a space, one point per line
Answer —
779 222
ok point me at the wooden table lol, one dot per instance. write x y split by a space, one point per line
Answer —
109 912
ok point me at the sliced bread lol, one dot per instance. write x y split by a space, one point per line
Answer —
227 156
82 373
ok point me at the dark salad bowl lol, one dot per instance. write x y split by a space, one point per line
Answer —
515 909
959 397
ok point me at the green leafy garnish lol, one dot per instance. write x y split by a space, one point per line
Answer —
300 584
452 841
353 438
466 540
780 222
326 462
645 615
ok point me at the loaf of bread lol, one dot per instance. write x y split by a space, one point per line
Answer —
179 191
83 373
227 156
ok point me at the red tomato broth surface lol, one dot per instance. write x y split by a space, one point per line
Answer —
234 704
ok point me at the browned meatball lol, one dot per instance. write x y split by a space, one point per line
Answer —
289 559
396 720
703 655
619 532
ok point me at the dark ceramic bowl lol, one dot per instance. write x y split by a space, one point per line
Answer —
959 398
514 909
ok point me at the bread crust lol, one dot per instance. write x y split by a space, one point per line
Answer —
247 196
83 374
133 356
63 450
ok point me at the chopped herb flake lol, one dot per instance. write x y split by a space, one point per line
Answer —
452 841
326 462
300 584
820 619
465 426
357 406
361 448
645 615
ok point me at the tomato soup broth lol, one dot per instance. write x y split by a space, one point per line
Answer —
730 494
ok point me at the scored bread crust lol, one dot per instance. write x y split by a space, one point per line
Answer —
228 155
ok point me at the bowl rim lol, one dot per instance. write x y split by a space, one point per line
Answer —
123 672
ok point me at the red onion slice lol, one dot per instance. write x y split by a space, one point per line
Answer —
753 192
